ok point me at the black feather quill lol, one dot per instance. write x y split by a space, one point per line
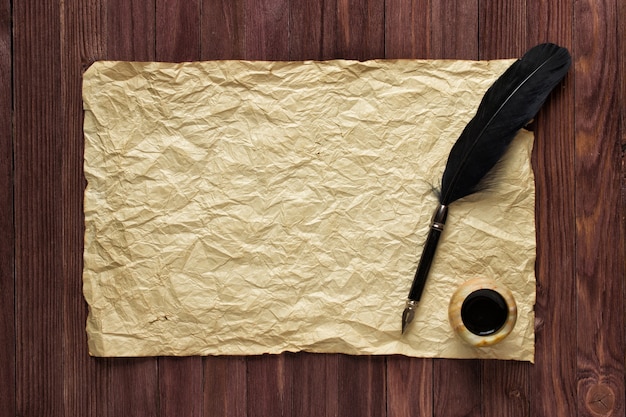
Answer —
507 106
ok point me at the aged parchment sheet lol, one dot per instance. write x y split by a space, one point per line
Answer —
237 208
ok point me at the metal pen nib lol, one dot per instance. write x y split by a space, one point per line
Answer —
408 314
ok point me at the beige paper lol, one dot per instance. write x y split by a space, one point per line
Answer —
238 208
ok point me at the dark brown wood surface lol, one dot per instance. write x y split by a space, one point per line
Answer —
581 198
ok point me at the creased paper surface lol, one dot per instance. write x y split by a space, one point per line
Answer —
238 207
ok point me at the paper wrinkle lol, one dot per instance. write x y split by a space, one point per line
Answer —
242 207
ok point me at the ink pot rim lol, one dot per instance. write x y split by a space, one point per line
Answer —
486 329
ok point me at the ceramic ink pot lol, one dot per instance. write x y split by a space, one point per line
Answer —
482 312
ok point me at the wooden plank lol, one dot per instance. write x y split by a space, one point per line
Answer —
266 35
555 329
501 24
306 30
456 383
454 33
506 388
49 378
181 387
38 267
329 27
129 386
553 162
315 377
223 37
362 386
358 31
337 29
457 388
599 243
315 385
225 387
82 27
178 30
408 29
270 386
502 28
506 385
7 243
621 52
409 387
267 29
178 39
130 30
223 29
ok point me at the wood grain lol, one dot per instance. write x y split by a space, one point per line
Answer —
223 29
621 53
38 209
267 30
270 386
456 388
501 23
306 30
181 387
408 28
315 377
506 388
359 31
599 273
178 39
555 332
129 386
82 24
554 163
178 30
130 33
456 384
578 162
225 387
356 31
506 385
455 30
409 386
315 385
7 239
362 386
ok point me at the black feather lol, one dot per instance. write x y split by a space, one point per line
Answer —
507 106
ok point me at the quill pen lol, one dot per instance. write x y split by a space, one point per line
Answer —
507 106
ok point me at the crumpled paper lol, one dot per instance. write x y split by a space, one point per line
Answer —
238 208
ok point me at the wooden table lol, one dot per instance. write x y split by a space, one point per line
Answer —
46 371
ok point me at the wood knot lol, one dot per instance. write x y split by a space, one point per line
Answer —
515 393
600 399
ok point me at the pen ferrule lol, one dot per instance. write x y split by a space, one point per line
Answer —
439 217
437 226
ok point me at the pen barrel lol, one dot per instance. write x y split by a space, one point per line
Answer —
428 253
